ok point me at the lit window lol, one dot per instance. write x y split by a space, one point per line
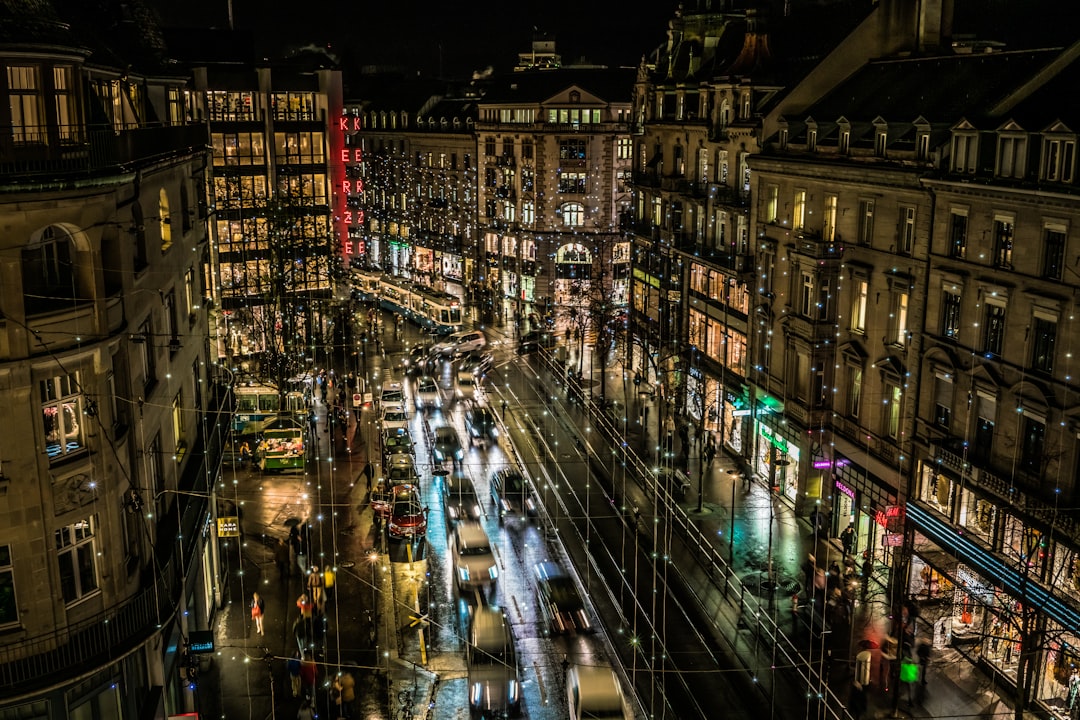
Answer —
855 382
798 211
25 102
828 227
75 557
772 193
62 416
858 309
950 315
573 215
893 396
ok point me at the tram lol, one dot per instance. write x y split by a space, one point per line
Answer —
257 403
437 311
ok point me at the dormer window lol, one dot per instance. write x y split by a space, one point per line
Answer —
783 139
811 140
881 138
845 141
965 147
922 146
1059 159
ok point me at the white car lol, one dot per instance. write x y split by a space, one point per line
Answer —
593 691
394 417
391 393
474 562
427 393
466 386
459 343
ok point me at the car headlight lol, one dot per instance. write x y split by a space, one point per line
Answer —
463 573
493 572
512 692
530 504
476 511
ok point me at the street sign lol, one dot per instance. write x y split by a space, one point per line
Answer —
357 400
228 526
201 641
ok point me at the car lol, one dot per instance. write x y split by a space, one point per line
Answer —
465 386
474 561
560 602
481 426
446 445
401 470
427 393
381 499
397 441
593 692
534 340
391 393
459 499
459 343
408 516
479 361
491 659
394 417
417 359
511 496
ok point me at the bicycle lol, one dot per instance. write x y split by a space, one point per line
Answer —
405 712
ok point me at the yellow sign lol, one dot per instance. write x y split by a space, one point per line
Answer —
228 527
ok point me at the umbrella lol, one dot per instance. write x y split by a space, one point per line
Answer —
293 522
868 644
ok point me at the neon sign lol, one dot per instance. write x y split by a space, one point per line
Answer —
845 489
349 158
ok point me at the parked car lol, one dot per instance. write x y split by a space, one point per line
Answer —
401 470
427 393
447 446
466 386
391 393
408 517
459 343
593 692
396 441
534 340
481 425
474 561
560 602
417 360
511 496
393 417
381 499
459 499
491 658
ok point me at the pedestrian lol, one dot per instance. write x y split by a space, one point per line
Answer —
306 606
504 409
847 538
329 578
710 453
293 666
809 568
923 653
309 672
369 474
857 702
306 712
245 454
257 609
345 687
281 558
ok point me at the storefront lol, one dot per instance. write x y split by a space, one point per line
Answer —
860 499
776 459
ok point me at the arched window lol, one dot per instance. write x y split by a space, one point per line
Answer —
166 220
47 273
573 214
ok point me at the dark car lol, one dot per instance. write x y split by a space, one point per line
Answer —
459 499
511 495
560 602
417 360
534 340
408 518
478 361
397 442
447 446
481 426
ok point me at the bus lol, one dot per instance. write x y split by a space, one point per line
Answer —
257 403
437 311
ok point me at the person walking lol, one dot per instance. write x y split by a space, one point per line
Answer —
369 474
345 689
329 578
293 666
306 606
281 558
847 539
258 607
309 673
809 569
306 712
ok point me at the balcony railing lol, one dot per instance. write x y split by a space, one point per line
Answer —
96 151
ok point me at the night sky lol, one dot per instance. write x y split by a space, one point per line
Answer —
456 37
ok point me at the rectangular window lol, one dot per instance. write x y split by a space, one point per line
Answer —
64 102
828 223
196 384
772 193
528 212
892 411
145 340
299 148
809 294
169 308
178 420
985 414
24 98
489 147
1044 335
573 150
963 153
943 397
1011 156
75 557
994 332
1060 157
62 415
1053 252
798 209
9 609
906 239
1033 443
900 318
958 226
845 142
881 141
855 382
950 315
858 305
572 182
866 222
1003 242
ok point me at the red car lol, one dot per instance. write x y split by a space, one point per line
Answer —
408 517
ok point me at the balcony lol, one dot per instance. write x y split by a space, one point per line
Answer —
647 178
67 327
97 151
675 184
730 196
810 243
808 329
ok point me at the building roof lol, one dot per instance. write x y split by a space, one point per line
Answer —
32 22
613 85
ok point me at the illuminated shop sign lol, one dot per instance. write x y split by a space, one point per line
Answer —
349 158
844 489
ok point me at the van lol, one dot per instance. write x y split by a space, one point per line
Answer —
593 692
460 343
494 685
